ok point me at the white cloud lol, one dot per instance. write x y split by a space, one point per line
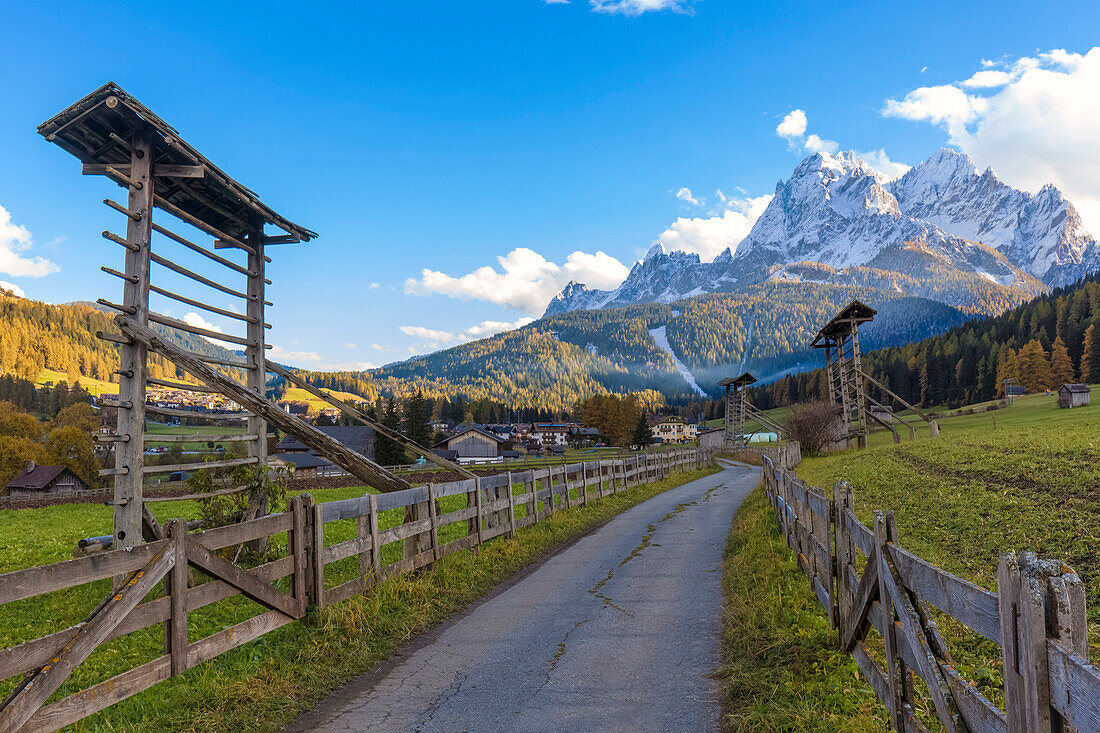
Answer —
793 125
556 2
375 286
987 78
15 239
380 347
526 280
313 360
635 8
793 128
684 194
880 161
707 237
194 319
348 345
815 144
15 289
435 339
1038 127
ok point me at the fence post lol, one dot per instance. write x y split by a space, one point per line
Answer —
362 533
477 503
1038 600
532 494
318 549
376 550
303 583
433 522
511 508
889 630
177 586
842 558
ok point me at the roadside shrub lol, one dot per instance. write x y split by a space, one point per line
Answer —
813 425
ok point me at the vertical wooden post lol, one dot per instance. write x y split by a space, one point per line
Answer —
511 507
584 482
376 548
477 503
256 378
889 630
302 506
1038 600
363 534
842 503
433 520
531 489
318 548
128 499
905 674
177 586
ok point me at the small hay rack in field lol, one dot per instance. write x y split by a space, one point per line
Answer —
848 382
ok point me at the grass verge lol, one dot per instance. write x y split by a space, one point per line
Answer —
781 668
267 683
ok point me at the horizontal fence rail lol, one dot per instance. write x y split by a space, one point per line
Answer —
1037 617
494 506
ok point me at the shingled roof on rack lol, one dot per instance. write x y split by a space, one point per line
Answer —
96 130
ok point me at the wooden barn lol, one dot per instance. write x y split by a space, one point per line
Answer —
37 480
473 442
1073 395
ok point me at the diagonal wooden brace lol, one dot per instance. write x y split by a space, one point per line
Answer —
37 688
357 465
861 605
218 567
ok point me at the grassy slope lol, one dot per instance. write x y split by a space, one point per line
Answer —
960 500
265 684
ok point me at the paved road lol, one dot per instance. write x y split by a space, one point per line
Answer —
618 632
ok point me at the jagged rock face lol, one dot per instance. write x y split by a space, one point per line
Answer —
837 211
1040 233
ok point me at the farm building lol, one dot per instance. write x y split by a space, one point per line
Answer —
1073 395
713 438
291 451
473 442
36 480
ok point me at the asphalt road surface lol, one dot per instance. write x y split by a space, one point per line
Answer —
618 632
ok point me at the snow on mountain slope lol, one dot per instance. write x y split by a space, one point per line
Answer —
659 338
837 211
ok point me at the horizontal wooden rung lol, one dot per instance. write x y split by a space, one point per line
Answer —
113 337
114 471
119 240
197 277
183 326
128 309
198 223
201 250
199 304
180 385
174 412
101 438
200 465
135 215
119 275
228 438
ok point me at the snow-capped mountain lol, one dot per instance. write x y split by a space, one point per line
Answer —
940 221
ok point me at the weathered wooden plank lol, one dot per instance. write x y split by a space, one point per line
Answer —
402 499
455 488
359 466
220 568
356 506
235 534
1074 687
402 531
860 533
35 689
340 550
822 595
20 584
77 706
235 636
463 543
965 602
35 653
177 628
458 515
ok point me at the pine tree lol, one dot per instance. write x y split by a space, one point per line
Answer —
416 420
386 450
1090 357
1034 366
1008 367
643 433
1061 366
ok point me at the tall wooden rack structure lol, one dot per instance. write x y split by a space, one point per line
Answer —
738 410
113 135
848 382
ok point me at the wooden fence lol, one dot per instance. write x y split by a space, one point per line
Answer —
1037 617
160 588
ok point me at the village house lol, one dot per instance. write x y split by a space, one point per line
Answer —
673 430
472 442
581 436
548 434
37 480
292 452
1073 395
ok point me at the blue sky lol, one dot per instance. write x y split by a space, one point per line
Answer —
442 136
